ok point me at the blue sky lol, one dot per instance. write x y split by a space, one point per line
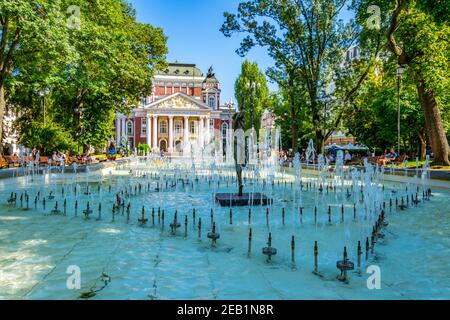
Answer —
192 27
194 37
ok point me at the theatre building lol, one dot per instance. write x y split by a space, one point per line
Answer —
184 109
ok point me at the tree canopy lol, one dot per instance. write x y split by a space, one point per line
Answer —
308 43
102 62
252 94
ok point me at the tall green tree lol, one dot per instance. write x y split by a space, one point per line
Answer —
418 34
30 30
110 65
292 110
251 92
373 118
114 65
308 41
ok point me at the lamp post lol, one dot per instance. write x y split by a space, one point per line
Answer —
400 72
42 94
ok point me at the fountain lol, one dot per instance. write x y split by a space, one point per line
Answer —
55 210
142 220
88 211
269 251
309 199
175 224
13 198
344 266
241 157
213 235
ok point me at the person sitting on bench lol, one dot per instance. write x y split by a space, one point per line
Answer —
390 157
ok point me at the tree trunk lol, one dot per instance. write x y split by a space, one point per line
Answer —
320 142
433 125
2 114
294 138
423 147
294 131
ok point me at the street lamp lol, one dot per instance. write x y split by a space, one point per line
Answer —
42 94
400 71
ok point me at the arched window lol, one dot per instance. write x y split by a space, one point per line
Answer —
212 102
192 127
163 127
224 129
130 128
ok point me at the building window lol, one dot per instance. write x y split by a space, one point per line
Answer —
163 127
211 123
178 127
224 129
184 85
130 128
193 127
143 126
212 102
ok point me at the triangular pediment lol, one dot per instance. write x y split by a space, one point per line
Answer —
180 101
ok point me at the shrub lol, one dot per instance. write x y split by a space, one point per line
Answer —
47 139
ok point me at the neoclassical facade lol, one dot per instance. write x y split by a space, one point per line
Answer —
183 110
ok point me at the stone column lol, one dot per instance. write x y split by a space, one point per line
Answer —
149 132
208 131
170 144
117 130
201 132
155 132
186 130
124 128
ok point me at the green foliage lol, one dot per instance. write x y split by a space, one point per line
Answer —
143 148
418 33
251 93
103 67
47 139
373 118
308 44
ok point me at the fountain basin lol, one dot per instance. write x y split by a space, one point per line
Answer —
234 200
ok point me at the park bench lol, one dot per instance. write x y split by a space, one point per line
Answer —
43 161
3 162
400 159
12 161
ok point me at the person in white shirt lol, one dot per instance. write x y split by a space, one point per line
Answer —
347 157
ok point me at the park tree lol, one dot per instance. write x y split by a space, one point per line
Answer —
417 35
30 30
308 41
291 107
251 94
373 117
113 67
109 65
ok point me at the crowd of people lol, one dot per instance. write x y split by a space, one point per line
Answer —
389 157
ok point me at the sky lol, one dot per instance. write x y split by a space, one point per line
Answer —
192 27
